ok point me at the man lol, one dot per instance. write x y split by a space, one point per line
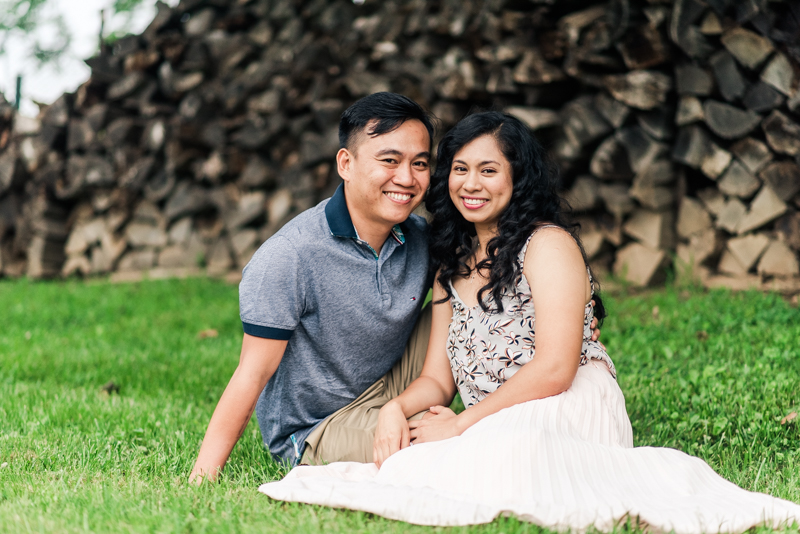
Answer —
331 304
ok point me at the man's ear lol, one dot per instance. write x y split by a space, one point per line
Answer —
344 163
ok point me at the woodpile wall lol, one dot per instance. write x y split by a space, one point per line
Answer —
676 125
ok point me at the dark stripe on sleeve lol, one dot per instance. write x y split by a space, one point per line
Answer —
267 332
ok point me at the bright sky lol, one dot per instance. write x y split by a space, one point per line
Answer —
83 20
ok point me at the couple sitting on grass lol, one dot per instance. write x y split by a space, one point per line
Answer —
350 376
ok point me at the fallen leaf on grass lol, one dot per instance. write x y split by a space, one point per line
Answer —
702 335
202 334
110 387
788 418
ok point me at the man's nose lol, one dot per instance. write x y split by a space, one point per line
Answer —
404 176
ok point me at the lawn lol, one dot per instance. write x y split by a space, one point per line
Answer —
710 373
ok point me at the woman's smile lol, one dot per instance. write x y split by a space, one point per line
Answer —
480 182
472 203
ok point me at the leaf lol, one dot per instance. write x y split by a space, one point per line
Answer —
720 423
110 387
203 334
788 418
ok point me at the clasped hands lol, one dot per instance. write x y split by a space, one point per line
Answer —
394 432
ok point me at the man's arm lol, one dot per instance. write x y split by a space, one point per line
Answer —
257 363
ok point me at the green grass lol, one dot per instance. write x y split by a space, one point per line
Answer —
712 374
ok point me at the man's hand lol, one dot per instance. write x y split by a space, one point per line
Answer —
391 433
595 330
198 476
442 425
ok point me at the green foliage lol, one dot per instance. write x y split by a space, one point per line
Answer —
26 16
126 6
22 15
712 374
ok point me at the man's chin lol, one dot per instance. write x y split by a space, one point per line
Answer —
397 217
400 212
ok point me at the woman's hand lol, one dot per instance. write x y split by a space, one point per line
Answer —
443 424
391 433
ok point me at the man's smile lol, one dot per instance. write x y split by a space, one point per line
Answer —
401 198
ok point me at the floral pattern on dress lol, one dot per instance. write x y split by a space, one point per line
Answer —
486 349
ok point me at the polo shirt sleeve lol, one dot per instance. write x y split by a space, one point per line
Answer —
272 293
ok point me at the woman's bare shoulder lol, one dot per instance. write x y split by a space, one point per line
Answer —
553 254
552 237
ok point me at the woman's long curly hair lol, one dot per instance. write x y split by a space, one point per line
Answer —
534 201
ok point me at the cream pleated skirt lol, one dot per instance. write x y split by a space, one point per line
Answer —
565 462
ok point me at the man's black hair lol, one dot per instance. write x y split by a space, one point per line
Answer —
383 113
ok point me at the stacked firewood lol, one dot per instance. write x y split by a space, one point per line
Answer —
739 143
674 124
706 172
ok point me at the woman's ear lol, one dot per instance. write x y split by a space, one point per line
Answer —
344 164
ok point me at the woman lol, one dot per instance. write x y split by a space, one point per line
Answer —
554 444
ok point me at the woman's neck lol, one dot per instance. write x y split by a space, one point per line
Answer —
484 233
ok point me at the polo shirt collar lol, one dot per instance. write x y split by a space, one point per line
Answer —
338 216
341 224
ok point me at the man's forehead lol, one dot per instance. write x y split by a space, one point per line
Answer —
391 141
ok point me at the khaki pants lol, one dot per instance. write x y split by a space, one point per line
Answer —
346 436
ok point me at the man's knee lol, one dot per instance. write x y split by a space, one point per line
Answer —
345 442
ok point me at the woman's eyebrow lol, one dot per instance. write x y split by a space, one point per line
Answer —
487 162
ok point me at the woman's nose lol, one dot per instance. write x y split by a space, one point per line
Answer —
472 182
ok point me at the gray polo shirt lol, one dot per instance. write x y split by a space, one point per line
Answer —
346 311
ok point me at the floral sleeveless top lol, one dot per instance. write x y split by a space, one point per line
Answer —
486 349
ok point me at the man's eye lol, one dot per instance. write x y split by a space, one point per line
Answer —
422 164
390 160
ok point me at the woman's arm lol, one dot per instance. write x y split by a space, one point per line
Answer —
560 289
435 386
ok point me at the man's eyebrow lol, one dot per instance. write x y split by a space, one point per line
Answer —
395 152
